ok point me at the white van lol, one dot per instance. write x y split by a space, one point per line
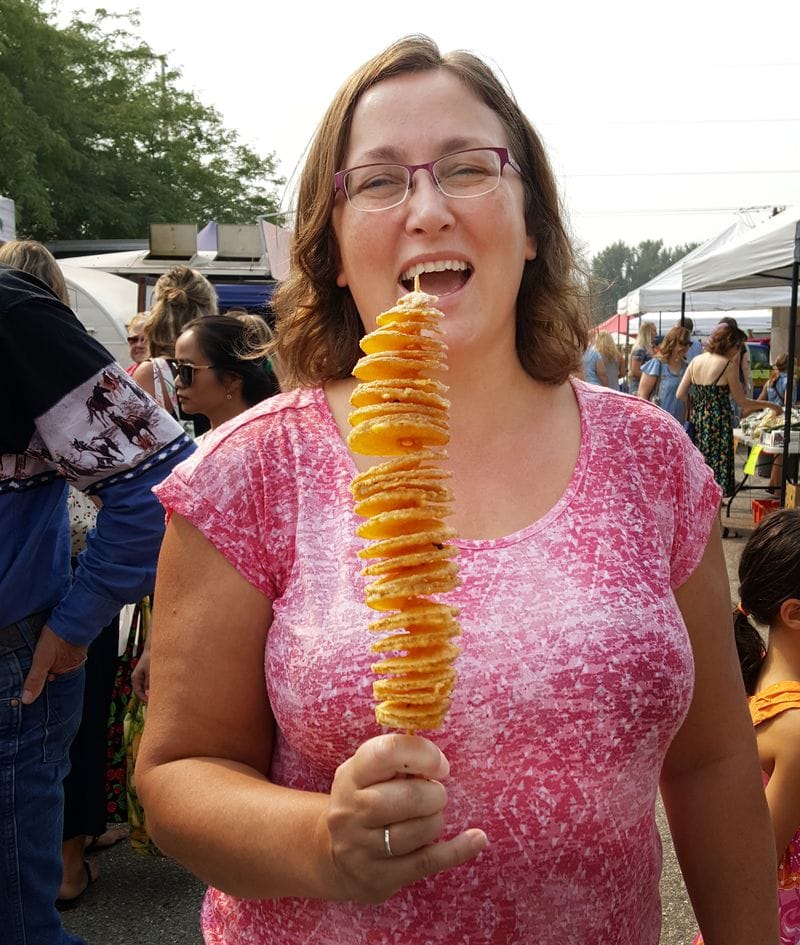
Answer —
105 304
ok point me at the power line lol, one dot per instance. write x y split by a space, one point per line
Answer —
668 121
679 173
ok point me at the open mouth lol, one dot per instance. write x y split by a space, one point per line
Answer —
438 277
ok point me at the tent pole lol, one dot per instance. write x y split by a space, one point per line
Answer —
789 395
683 309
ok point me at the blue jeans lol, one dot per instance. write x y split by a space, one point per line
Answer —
34 757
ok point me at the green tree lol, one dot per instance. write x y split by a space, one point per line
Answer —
619 268
99 140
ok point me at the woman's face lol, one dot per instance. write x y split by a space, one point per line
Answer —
478 244
206 394
137 343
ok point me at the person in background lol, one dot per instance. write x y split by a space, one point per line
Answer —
137 341
769 598
588 670
714 380
70 414
601 361
774 391
222 370
696 345
641 351
181 294
663 373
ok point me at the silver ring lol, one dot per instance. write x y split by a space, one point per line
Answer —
387 843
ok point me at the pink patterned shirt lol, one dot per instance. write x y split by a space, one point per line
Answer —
575 673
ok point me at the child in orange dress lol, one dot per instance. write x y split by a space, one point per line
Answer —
769 591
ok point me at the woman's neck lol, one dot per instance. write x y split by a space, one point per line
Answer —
230 409
782 661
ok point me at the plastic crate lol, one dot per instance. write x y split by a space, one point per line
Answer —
762 507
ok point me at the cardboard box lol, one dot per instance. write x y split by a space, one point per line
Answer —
775 438
792 490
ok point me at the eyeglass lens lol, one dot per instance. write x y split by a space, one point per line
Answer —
186 373
463 174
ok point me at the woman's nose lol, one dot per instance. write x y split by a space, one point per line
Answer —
427 206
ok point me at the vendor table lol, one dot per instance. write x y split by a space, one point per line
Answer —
753 443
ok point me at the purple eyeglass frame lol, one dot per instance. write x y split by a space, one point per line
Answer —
502 153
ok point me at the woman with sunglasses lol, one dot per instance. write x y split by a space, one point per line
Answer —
589 667
221 369
661 375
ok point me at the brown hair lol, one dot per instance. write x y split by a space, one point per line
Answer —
318 326
674 338
724 337
769 574
181 294
36 259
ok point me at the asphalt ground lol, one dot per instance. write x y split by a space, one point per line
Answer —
153 901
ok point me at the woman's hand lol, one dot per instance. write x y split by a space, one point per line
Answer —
385 814
140 677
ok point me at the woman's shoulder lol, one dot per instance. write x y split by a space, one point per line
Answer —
611 410
269 431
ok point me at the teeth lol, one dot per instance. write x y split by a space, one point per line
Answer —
439 265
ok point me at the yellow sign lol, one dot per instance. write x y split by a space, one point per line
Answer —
752 459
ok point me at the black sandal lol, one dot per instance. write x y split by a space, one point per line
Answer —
64 905
729 532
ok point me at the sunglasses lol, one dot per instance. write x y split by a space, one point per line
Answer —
134 339
185 371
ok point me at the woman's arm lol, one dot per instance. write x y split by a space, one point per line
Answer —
209 738
646 385
636 367
780 740
602 371
711 781
682 393
738 393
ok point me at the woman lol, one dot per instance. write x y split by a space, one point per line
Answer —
775 389
714 379
181 294
662 374
531 817
221 371
641 352
220 368
601 362
137 342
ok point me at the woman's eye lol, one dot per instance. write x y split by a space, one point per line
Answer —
382 181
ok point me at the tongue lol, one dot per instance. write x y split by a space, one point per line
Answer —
442 283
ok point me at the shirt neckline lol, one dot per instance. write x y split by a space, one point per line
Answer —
581 391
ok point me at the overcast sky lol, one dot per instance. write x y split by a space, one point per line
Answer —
663 120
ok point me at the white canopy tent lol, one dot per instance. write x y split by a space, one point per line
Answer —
663 292
762 256
768 256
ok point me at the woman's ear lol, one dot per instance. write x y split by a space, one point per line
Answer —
232 383
790 613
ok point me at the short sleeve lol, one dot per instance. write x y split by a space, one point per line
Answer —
653 366
696 498
237 499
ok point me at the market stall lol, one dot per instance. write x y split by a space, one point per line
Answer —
769 255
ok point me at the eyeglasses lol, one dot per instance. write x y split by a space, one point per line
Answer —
185 371
133 339
470 173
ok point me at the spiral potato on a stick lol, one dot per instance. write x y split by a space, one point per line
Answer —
400 411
